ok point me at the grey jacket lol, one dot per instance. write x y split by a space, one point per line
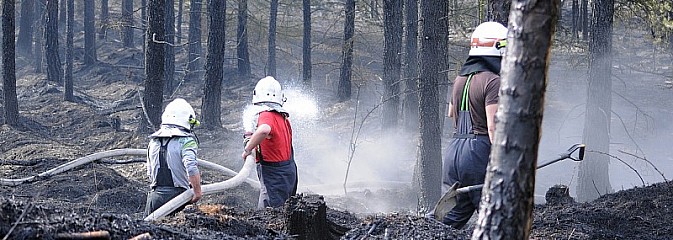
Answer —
181 155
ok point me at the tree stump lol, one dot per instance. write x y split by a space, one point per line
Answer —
558 194
306 218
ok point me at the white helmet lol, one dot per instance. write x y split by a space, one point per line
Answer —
179 113
488 39
268 90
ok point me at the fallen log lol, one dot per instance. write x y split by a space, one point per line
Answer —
144 236
85 235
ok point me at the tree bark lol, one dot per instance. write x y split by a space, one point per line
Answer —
62 14
271 60
194 55
127 23
38 48
585 19
306 45
499 11
593 175
212 103
54 69
410 101
24 41
576 17
306 218
104 18
89 32
69 34
434 35
392 50
169 68
154 62
344 89
507 200
11 106
242 54
178 34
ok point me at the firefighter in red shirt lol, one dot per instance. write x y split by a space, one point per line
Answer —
272 141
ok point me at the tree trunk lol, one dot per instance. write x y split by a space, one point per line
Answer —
154 63
104 18
410 101
69 34
127 23
89 32
54 69
499 11
575 16
507 200
306 218
40 32
62 14
271 61
392 50
593 175
585 19
11 106
344 89
194 55
178 34
24 41
434 35
212 91
169 68
306 46
242 54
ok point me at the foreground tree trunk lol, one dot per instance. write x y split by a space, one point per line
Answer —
594 179
24 40
69 34
243 62
11 106
306 46
434 34
271 61
127 23
54 69
154 64
344 89
214 66
89 33
392 50
410 102
194 38
507 200
169 68
499 10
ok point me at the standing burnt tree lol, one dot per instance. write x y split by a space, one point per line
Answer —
178 34
594 179
506 206
69 34
434 35
499 10
271 61
104 18
410 102
243 58
344 89
127 23
38 53
89 33
584 19
11 105
154 64
392 66
51 46
194 38
214 66
24 40
169 65
306 46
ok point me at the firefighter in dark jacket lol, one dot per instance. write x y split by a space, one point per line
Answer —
473 104
272 141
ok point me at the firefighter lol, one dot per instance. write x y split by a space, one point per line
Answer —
171 156
272 143
472 105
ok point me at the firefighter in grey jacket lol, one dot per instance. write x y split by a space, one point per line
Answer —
171 156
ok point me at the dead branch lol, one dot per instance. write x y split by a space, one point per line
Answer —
28 162
144 236
648 161
624 162
627 131
84 235
23 214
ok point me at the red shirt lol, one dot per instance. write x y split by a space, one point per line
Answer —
277 146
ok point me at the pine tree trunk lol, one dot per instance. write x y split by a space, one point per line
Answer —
54 69
69 34
271 60
38 56
62 14
11 106
194 55
178 34
434 35
306 45
211 109
24 40
89 33
410 102
104 18
243 61
576 18
499 11
127 23
154 62
344 89
584 19
507 199
392 51
169 68
593 175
